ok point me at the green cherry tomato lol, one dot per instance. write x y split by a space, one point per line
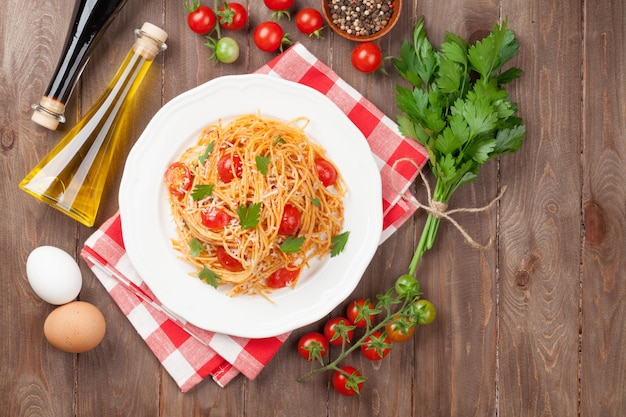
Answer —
423 312
227 50
407 286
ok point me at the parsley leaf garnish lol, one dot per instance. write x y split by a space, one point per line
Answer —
249 215
279 140
338 243
201 191
202 158
196 248
209 277
262 164
315 201
456 106
292 244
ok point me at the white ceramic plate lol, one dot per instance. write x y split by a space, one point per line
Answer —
148 226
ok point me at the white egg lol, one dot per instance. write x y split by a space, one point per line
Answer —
53 274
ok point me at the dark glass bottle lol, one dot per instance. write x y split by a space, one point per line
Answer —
89 21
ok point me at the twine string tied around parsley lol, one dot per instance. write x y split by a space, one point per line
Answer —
439 209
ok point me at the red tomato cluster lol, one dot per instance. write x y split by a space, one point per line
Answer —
375 343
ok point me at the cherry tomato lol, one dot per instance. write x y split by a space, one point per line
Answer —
423 312
407 286
326 172
290 222
228 167
376 346
226 50
348 385
312 346
227 261
233 16
399 329
280 8
269 36
178 179
201 19
357 315
310 22
282 277
215 218
367 57
337 330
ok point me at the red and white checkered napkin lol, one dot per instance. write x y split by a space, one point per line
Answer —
190 354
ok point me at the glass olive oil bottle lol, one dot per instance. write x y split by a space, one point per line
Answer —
72 177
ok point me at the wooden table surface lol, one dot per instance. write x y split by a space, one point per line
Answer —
533 326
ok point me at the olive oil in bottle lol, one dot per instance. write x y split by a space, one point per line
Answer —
72 177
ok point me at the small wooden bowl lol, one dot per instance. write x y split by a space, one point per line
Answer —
326 11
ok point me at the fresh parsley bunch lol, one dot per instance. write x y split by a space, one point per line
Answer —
457 108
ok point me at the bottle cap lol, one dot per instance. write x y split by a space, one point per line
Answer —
150 40
154 32
48 113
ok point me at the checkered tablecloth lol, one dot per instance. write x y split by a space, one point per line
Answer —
190 354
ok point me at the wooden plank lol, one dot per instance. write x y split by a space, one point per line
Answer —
539 285
34 374
603 373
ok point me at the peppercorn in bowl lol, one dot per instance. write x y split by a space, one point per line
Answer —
361 20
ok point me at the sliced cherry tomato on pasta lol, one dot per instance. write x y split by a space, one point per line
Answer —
326 172
178 178
228 167
215 218
227 261
290 222
282 277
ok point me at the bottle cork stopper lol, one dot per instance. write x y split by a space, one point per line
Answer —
150 40
48 113
154 32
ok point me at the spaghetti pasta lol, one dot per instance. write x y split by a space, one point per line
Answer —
249 206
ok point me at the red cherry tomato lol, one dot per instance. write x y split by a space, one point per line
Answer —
201 19
348 385
310 22
312 346
337 330
367 57
178 179
269 36
280 8
233 16
228 167
215 218
282 277
326 172
356 314
290 222
228 262
376 346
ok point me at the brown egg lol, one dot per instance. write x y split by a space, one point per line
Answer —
75 327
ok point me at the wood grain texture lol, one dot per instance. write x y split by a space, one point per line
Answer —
604 212
531 326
